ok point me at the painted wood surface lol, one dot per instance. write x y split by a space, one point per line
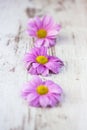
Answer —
71 46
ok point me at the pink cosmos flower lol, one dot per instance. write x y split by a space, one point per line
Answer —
44 31
39 62
40 93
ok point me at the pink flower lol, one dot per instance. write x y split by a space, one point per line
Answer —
40 93
43 30
39 62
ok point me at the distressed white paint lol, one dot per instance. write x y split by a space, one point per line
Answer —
71 46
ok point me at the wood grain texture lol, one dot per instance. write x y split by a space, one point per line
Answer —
71 46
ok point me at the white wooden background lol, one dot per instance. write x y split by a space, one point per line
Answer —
71 46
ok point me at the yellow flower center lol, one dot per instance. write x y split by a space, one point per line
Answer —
42 90
41 33
42 59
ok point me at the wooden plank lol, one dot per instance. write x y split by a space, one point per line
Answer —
71 46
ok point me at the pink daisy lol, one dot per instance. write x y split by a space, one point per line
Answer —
39 62
40 93
44 31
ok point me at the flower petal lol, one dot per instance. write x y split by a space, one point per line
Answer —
32 84
43 51
44 101
39 42
35 65
31 33
52 42
46 42
46 72
49 83
52 33
37 81
29 57
31 97
57 97
28 88
38 22
58 27
35 102
40 69
53 66
32 71
32 24
47 22
35 52
53 100
55 89
54 58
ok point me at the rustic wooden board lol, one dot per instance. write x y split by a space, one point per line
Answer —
71 46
